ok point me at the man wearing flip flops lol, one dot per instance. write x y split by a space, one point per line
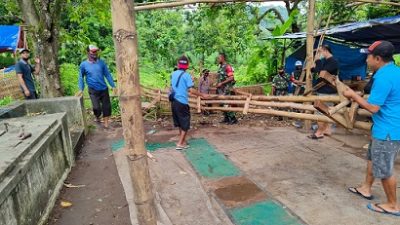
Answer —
384 104
181 85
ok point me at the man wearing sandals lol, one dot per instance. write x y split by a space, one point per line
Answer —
181 85
384 104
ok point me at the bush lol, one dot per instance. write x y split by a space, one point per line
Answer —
6 60
69 78
6 101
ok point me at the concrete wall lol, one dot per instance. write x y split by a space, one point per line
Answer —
29 190
72 106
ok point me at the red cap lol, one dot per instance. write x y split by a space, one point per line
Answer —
183 63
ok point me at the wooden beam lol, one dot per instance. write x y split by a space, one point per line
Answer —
247 105
173 4
325 110
338 107
378 2
126 56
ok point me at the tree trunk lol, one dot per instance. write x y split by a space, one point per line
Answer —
125 41
43 17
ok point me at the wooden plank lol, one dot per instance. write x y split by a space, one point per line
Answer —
320 106
338 107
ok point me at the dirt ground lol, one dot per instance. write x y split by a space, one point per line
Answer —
101 201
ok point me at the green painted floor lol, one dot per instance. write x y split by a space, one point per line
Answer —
209 163
263 213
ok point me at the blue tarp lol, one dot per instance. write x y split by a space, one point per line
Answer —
362 33
9 36
351 61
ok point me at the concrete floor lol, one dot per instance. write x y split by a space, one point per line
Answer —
308 177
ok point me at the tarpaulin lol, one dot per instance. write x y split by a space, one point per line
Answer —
9 38
351 61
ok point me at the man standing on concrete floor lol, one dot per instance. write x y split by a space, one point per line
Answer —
181 84
226 81
384 103
94 71
325 63
24 73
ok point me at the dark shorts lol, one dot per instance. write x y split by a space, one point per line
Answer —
100 102
383 154
181 115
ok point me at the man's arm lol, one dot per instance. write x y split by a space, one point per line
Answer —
81 83
349 93
23 85
108 75
193 91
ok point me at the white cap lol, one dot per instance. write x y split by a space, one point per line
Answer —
298 63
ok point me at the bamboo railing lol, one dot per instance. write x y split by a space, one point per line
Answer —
269 105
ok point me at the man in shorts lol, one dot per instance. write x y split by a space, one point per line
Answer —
181 85
384 104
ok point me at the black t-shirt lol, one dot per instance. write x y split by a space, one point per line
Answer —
330 65
26 70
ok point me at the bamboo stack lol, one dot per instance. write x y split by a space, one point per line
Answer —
271 105
9 86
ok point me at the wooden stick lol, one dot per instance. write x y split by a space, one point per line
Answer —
325 110
198 104
338 107
247 105
315 88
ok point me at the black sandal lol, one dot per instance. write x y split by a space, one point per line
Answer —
355 191
315 137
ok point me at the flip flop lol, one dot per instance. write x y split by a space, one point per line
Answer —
315 137
355 191
178 147
384 211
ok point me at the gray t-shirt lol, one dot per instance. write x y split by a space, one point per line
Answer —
24 68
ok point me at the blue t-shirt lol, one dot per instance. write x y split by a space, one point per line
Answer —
94 73
385 93
186 82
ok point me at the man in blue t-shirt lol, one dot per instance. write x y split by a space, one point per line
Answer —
24 73
384 104
93 71
181 85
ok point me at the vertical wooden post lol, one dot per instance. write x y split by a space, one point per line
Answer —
310 49
126 45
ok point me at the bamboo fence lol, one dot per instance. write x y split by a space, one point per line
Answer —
9 86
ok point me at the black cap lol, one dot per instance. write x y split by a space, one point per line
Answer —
384 49
22 50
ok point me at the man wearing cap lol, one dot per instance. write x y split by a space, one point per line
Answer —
93 71
295 76
384 104
24 73
181 84
226 81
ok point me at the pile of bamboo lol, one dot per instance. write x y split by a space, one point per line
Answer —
9 86
287 106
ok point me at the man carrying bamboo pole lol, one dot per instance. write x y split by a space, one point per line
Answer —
226 81
325 62
384 103
181 83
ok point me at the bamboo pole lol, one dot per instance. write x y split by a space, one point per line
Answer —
173 4
304 116
126 45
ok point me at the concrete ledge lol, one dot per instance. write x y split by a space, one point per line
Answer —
30 187
72 106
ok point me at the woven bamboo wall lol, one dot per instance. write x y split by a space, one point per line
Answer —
9 86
